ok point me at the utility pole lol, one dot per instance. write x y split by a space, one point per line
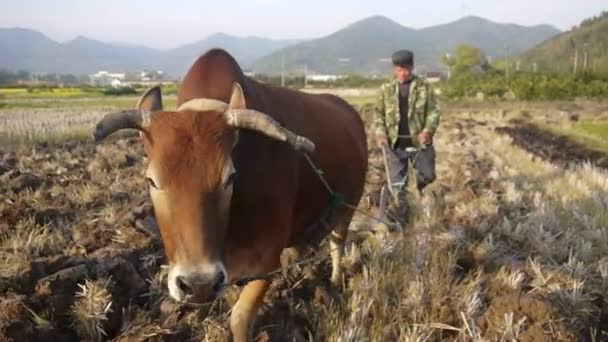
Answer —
594 65
282 70
535 67
447 57
305 75
575 60
585 61
507 62
463 9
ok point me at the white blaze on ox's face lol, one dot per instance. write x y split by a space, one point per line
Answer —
192 281
191 199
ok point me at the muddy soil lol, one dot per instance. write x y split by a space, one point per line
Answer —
77 229
93 205
557 149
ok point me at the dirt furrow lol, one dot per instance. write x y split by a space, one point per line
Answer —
559 150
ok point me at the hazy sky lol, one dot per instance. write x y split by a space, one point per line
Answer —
165 24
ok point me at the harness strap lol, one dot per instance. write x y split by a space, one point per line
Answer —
336 199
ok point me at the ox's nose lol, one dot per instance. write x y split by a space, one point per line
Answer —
184 285
196 287
188 285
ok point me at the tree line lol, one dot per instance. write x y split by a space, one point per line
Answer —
472 74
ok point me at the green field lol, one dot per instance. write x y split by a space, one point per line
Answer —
73 96
15 98
54 115
591 133
84 102
37 93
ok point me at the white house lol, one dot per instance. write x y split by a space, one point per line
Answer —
324 78
104 78
116 83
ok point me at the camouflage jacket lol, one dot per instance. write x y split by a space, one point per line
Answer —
423 110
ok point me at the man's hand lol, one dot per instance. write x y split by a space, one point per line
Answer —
425 137
382 141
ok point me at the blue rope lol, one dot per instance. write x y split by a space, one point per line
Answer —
337 199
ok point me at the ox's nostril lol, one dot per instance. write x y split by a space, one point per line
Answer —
219 281
183 285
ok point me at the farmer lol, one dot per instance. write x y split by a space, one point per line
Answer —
406 115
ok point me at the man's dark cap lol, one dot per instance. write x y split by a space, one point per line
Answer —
403 58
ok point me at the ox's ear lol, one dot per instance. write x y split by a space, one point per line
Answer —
237 99
151 100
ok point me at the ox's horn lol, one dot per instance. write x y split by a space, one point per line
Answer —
258 121
150 102
239 116
113 122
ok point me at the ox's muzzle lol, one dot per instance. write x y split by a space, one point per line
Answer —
197 284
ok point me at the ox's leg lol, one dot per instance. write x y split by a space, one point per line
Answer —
291 255
337 241
336 244
245 310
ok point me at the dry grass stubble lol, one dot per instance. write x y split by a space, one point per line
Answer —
502 246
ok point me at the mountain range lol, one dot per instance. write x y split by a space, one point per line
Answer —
362 47
25 49
365 46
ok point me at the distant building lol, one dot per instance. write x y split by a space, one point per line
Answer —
108 79
148 76
435 76
324 78
104 79
116 83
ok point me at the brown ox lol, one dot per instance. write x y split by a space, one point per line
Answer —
229 190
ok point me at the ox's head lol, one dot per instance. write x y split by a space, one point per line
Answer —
191 177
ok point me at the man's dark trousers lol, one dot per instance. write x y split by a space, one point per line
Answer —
424 166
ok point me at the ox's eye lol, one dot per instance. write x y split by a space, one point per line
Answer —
230 180
151 182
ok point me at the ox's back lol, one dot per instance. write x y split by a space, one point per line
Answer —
271 175
341 148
